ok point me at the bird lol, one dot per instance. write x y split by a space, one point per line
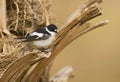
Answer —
41 37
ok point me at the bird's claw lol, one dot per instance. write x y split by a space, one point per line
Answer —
46 54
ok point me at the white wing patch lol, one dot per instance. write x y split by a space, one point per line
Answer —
37 34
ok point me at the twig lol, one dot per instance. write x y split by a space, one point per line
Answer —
29 5
11 24
24 14
45 12
17 19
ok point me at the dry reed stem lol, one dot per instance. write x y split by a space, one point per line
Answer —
4 25
79 17
17 19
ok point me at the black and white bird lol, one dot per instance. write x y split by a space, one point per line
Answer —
41 37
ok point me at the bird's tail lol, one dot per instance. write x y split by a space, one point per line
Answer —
22 39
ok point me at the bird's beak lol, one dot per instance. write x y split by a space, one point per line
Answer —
56 31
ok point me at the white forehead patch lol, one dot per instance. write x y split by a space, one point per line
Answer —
36 34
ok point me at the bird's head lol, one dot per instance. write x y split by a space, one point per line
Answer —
52 28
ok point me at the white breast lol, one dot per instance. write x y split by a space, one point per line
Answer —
45 43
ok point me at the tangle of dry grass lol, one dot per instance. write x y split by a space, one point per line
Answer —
19 23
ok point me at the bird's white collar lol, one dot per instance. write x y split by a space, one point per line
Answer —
52 33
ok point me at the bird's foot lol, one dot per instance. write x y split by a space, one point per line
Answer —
45 55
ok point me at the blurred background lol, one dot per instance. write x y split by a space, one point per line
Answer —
95 56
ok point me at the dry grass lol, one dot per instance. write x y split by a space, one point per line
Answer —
19 23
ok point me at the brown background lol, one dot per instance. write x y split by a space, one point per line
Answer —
95 56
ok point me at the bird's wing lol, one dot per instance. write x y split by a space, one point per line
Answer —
34 37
